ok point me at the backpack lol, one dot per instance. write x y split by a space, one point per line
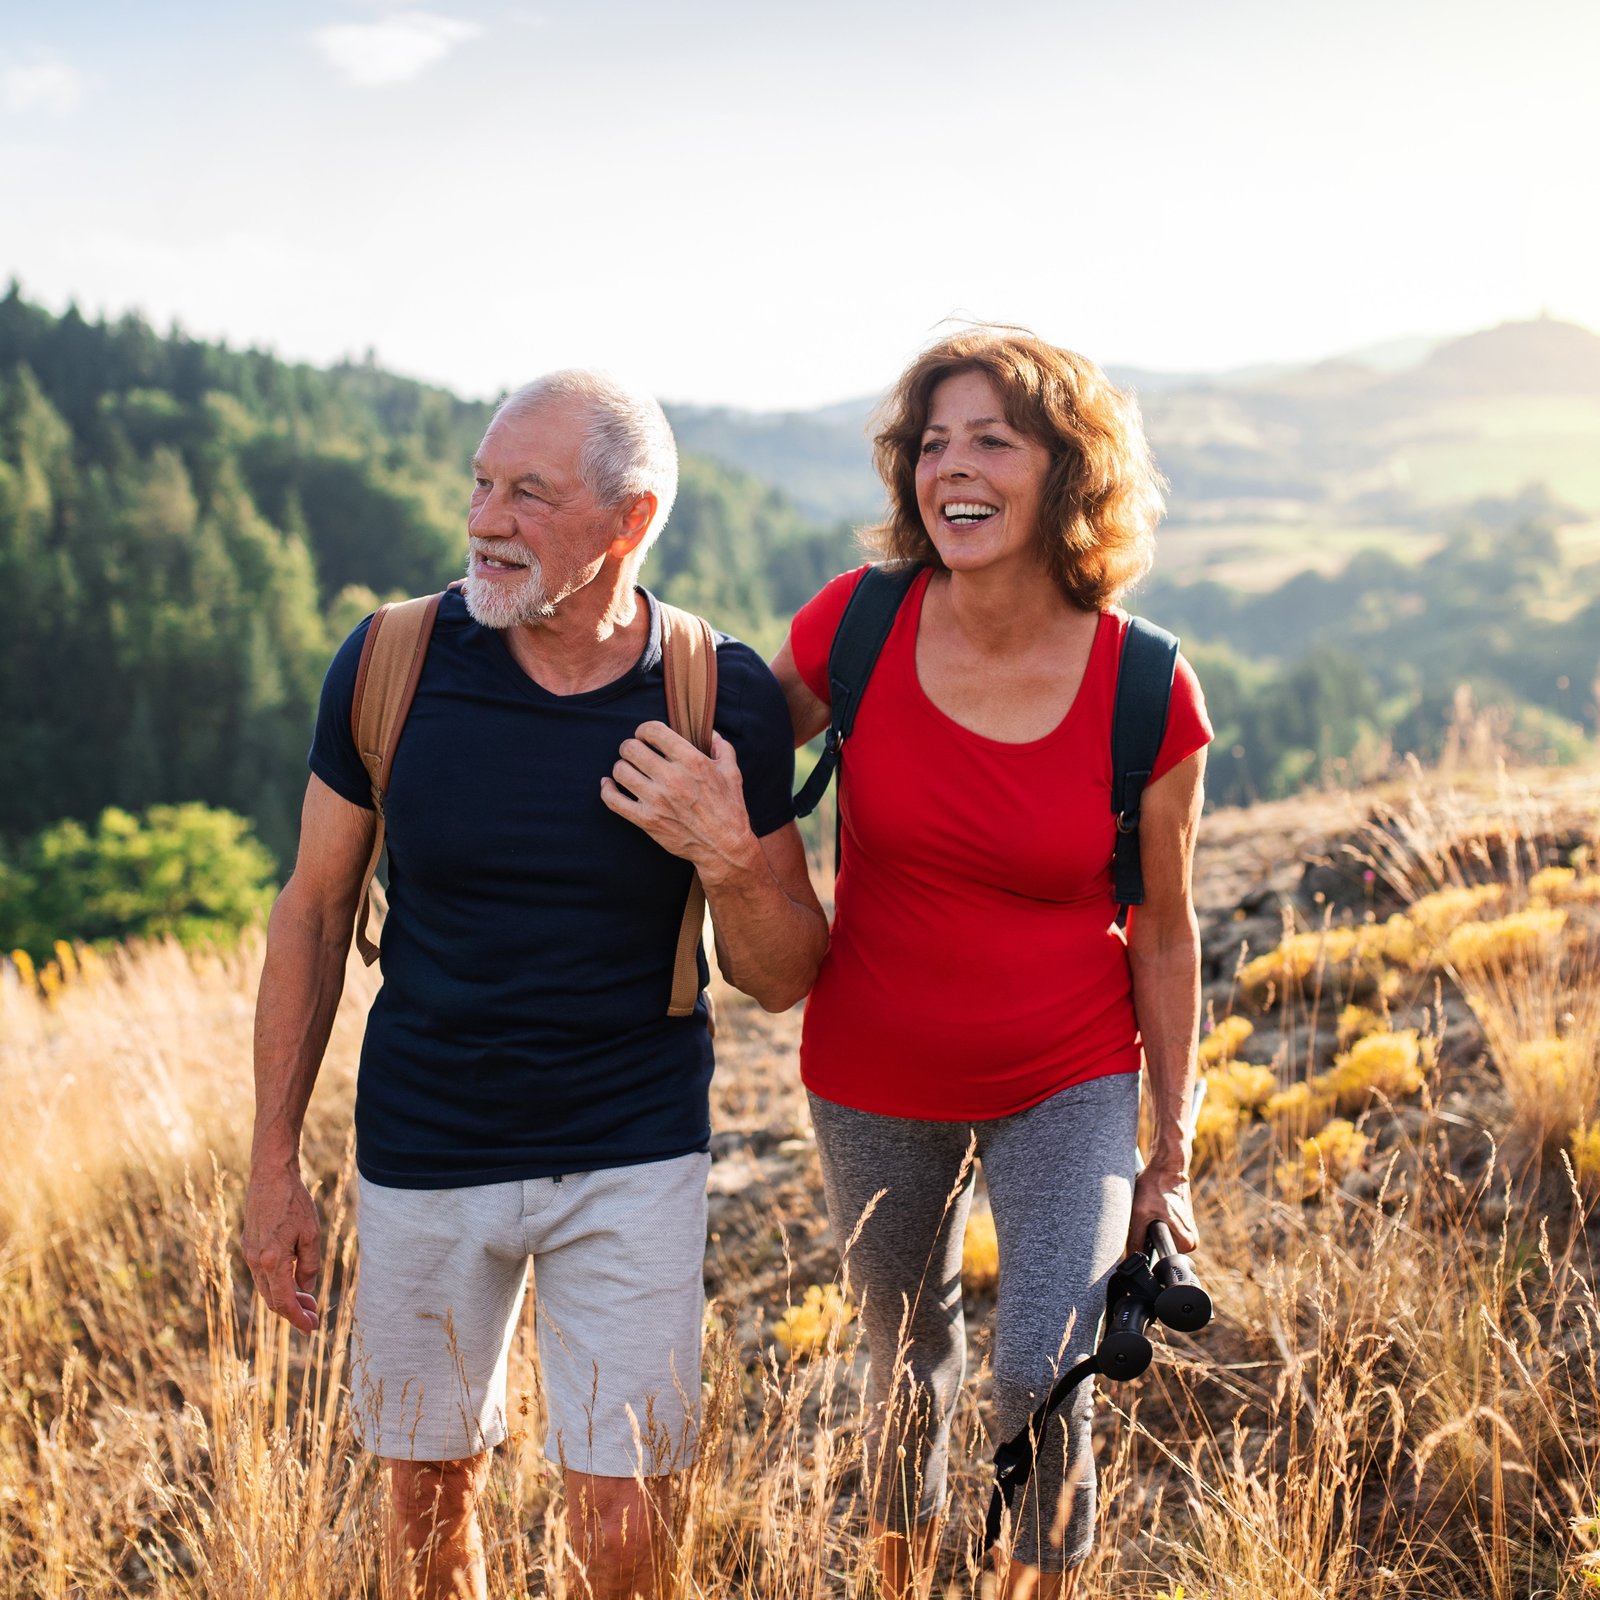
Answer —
392 655
1138 723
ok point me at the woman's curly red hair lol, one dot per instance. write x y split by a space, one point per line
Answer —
1103 495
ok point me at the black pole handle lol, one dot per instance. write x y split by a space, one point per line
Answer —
1125 1349
1141 1285
1180 1301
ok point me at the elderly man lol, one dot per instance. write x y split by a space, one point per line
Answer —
523 1091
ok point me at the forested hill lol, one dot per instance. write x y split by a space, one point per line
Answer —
186 531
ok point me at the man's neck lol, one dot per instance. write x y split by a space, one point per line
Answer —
596 634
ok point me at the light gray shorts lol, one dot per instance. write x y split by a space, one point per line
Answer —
619 1301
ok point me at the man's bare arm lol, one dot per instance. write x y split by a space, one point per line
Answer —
769 945
771 933
308 941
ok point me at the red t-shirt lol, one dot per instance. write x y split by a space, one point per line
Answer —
976 967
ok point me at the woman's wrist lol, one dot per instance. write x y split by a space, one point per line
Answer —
1169 1158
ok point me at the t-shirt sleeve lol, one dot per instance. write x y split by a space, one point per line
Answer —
815 623
334 757
1188 723
753 717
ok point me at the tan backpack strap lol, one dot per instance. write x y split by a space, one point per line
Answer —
386 683
689 664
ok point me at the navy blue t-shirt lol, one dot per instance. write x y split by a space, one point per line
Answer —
521 1030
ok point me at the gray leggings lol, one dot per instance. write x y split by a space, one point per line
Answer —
1060 1178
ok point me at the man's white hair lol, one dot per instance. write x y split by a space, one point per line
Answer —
628 449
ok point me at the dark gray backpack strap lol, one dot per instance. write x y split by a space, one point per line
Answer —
1138 725
857 643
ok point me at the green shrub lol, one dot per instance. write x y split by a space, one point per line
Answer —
189 870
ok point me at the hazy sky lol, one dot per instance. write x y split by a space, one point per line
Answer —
776 206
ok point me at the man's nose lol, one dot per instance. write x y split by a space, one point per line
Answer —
488 518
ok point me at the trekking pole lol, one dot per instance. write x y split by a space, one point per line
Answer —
1155 1284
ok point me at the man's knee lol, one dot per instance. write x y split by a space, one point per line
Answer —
618 1512
441 1490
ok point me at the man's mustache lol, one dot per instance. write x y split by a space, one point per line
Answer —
496 551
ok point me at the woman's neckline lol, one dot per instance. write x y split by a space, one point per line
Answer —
988 740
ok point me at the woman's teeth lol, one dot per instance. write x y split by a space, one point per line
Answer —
966 512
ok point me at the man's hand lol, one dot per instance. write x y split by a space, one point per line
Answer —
689 803
1161 1194
283 1244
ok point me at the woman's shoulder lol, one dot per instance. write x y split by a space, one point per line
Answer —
1117 621
817 621
834 595
1188 724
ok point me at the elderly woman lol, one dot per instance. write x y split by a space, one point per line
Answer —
978 987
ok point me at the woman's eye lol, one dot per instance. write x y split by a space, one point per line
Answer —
995 442
929 446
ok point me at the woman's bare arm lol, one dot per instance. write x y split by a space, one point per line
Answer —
1164 951
808 714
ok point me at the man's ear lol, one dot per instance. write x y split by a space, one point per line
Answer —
637 516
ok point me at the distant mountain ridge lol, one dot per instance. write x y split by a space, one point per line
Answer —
1394 433
187 531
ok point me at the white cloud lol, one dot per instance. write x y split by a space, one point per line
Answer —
394 50
46 84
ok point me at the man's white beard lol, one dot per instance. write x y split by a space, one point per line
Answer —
494 604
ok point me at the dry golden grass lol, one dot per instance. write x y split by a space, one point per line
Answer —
1400 1395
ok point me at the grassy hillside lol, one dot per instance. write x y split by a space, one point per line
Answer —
1398 1398
1334 675
1336 455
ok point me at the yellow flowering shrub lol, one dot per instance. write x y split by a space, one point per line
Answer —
1328 1156
1586 1156
805 1329
1475 945
1216 1129
1222 1043
1240 1084
91 965
1393 942
1554 1063
1367 952
1434 915
1356 1022
1297 958
1562 885
1307 1101
73 964
980 1254
1548 882
1390 1064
